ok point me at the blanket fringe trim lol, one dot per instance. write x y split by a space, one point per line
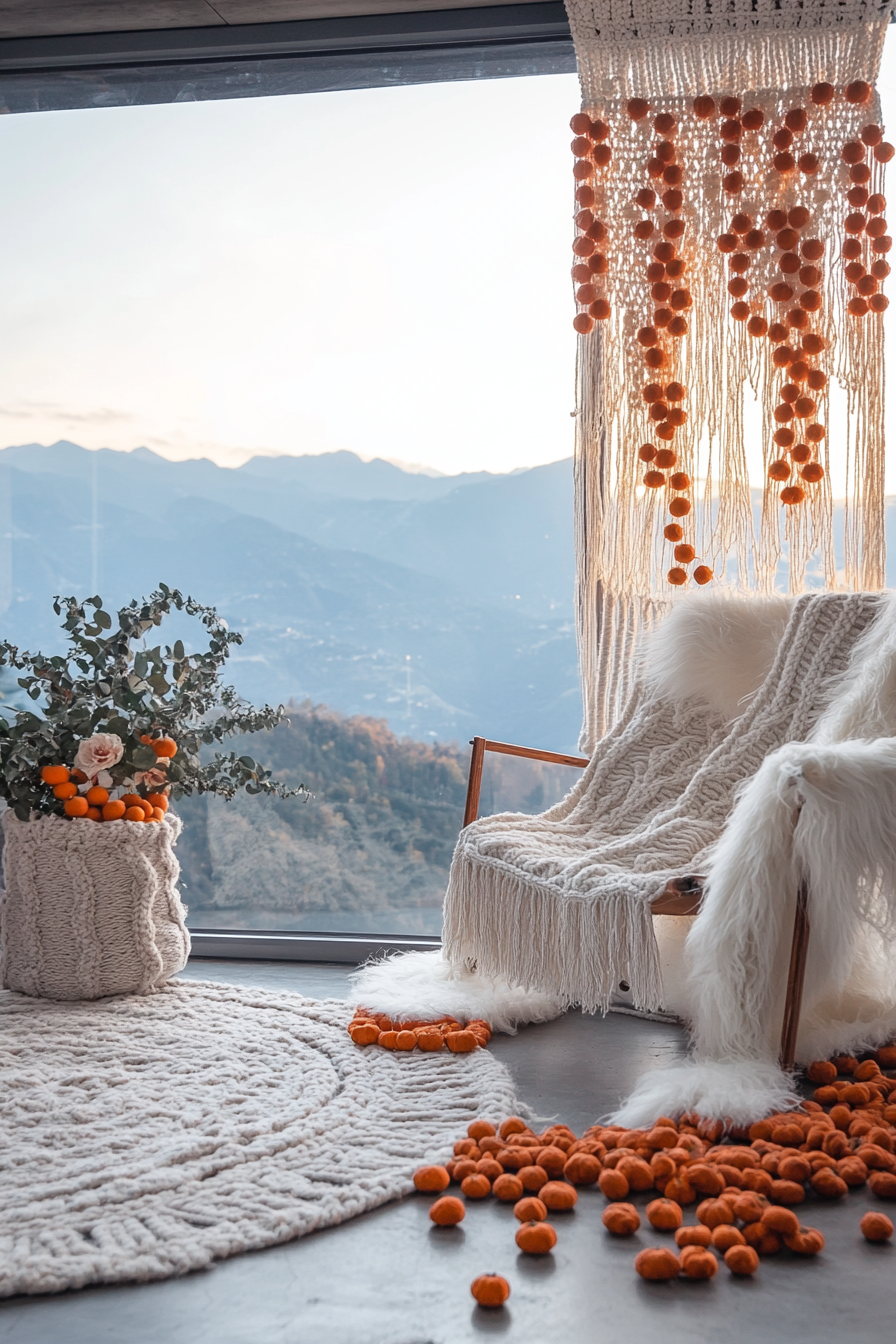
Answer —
578 948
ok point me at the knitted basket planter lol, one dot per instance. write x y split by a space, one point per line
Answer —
90 910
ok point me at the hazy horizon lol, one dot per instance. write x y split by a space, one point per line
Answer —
380 271
384 271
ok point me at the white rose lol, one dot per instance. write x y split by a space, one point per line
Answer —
99 752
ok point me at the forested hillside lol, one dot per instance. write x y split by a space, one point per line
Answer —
370 851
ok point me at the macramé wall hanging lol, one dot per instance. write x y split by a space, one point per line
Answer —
731 241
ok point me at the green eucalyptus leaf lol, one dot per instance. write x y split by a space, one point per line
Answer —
143 757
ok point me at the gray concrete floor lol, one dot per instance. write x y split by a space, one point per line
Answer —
389 1277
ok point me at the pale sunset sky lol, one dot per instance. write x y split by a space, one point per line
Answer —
382 270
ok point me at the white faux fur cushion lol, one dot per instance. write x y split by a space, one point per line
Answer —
716 650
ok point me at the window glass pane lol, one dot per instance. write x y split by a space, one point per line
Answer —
230 328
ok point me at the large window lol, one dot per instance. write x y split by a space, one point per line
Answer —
310 359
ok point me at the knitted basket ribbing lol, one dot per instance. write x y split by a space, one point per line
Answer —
90 910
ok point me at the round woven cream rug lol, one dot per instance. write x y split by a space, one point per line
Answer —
147 1137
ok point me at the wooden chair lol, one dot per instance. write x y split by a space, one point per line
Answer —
682 895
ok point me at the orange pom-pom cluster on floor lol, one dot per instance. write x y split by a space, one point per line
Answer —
745 1188
369 1028
96 804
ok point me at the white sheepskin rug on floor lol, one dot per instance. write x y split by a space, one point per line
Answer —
147 1137
426 985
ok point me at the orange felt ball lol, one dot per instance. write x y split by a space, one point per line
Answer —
703 575
693 1236
858 92
93 814
365 1033
536 1238
725 1236
705 1179
673 532
508 1188
552 1159
476 1186
741 1260
613 1183
447 1211
679 508
63 791
714 1212
76 807
558 1196
533 1177
657 1263
583 323
676 577
876 1227
97 796
792 494
431 1179
637 108
55 774
822 94
664 1214
699 1264
807 1241
530 1210
623 1220
490 1290
461 1042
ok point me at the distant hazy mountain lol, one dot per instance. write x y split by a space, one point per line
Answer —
441 603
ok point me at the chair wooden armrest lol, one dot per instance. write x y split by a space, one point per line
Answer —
680 896
481 745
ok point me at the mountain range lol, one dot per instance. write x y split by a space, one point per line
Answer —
441 603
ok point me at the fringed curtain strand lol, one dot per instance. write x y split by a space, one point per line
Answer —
730 234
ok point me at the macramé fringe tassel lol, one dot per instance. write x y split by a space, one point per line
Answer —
768 56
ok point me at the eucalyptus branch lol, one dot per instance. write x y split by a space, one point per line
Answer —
112 682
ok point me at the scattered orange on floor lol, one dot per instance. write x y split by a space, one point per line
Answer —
746 1188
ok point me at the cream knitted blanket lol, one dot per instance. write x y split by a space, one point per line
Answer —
144 1137
561 902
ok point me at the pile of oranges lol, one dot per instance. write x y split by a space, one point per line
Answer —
747 1184
96 804
368 1028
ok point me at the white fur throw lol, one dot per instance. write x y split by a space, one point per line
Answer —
150 1136
90 910
826 811
560 903
426 985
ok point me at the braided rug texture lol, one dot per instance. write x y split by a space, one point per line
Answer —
90 910
144 1137
575 883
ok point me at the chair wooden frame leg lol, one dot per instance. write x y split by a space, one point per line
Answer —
799 951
